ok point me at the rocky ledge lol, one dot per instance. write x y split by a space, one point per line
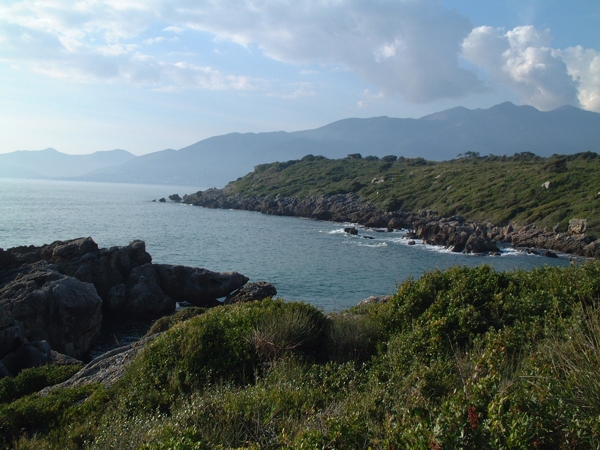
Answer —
55 298
454 232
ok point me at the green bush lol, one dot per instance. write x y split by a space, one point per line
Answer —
33 380
164 323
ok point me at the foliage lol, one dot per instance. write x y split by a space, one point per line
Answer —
498 189
164 323
33 380
463 358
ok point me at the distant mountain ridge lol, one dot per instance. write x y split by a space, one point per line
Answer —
51 163
504 129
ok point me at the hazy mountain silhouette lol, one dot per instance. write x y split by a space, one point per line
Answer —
503 129
50 163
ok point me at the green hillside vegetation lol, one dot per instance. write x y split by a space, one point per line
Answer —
465 358
498 189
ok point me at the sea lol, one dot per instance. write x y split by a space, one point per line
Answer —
306 260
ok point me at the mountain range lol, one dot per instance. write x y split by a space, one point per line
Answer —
503 129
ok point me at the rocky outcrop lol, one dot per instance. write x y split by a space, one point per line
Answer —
106 369
82 259
38 303
154 289
58 295
452 232
199 287
252 292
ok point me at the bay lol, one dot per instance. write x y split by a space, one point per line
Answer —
306 260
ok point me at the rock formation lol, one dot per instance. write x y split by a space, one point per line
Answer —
252 292
56 297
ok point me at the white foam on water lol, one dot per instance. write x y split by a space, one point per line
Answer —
374 245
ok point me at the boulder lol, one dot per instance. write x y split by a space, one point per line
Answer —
199 287
108 268
577 226
144 295
251 292
351 230
478 242
47 305
28 355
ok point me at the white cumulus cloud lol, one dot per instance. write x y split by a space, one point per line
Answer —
523 59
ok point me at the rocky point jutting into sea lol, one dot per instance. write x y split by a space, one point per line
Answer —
54 299
454 232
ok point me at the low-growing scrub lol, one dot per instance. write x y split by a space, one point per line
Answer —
464 358
33 380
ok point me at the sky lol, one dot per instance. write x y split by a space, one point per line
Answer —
145 75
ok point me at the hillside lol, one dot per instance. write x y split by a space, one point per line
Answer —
501 190
467 358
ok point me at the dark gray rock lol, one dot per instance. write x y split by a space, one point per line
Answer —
144 295
199 287
32 354
46 305
351 230
478 242
252 292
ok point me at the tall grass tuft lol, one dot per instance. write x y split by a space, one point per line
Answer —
289 330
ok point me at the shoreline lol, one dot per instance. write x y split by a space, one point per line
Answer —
455 232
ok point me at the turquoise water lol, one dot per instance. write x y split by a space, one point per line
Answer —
305 259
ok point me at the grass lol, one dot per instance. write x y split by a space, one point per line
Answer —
499 189
462 358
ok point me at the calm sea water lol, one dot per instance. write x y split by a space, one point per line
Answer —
306 260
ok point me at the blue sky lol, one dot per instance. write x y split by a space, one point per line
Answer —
145 75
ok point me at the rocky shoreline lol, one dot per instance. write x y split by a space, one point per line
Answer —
454 232
55 299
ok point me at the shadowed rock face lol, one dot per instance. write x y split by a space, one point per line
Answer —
200 287
39 303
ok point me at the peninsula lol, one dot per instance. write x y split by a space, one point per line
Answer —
467 204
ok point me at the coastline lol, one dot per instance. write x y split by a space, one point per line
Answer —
454 232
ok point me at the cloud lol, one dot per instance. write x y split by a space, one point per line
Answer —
404 47
414 49
584 67
545 77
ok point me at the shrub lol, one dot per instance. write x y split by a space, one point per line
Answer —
33 380
352 337
164 323
293 329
